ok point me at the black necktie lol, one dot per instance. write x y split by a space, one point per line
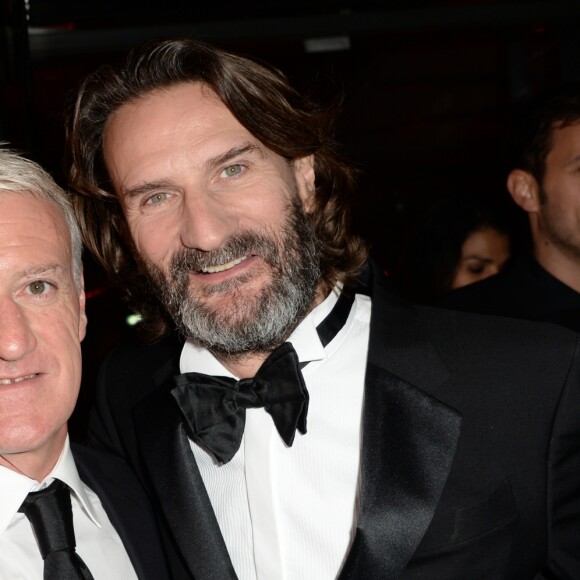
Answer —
214 408
50 513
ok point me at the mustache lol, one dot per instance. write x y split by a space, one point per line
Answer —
236 246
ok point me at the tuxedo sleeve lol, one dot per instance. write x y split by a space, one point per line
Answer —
563 559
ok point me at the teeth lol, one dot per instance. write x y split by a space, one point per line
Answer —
17 380
222 267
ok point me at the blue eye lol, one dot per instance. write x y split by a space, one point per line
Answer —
157 198
232 170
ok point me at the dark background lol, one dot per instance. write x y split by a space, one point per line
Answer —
430 88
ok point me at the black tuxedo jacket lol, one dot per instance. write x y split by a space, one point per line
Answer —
522 290
470 466
127 507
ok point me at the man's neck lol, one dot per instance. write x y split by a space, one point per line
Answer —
243 366
247 365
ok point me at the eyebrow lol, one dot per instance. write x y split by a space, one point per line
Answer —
478 257
40 271
145 188
211 163
232 153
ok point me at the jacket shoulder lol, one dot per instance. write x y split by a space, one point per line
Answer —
137 355
133 369
487 335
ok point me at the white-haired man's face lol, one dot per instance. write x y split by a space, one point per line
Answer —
43 323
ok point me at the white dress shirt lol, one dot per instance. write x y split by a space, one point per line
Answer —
98 543
289 513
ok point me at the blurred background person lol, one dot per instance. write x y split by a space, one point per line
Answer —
462 239
543 181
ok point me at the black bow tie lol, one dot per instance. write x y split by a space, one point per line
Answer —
214 408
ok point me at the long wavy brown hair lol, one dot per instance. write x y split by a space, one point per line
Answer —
260 98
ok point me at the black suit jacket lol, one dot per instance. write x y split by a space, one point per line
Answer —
522 290
470 466
127 507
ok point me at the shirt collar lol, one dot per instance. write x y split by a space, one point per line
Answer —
304 338
16 486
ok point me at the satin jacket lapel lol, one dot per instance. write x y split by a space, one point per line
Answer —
178 484
409 441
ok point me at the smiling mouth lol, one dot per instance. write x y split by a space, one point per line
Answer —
16 380
223 267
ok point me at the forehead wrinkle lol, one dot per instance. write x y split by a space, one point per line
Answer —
48 269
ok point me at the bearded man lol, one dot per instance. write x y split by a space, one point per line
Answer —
290 415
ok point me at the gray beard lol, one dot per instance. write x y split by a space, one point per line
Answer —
249 324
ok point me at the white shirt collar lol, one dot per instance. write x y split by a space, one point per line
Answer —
304 338
15 487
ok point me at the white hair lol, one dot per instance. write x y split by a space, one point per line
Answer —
18 174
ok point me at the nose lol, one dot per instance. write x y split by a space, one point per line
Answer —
206 222
16 336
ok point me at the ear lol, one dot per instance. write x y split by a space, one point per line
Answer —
524 190
82 310
305 179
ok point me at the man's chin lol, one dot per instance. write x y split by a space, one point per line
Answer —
226 308
238 295
234 326
224 333
229 316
